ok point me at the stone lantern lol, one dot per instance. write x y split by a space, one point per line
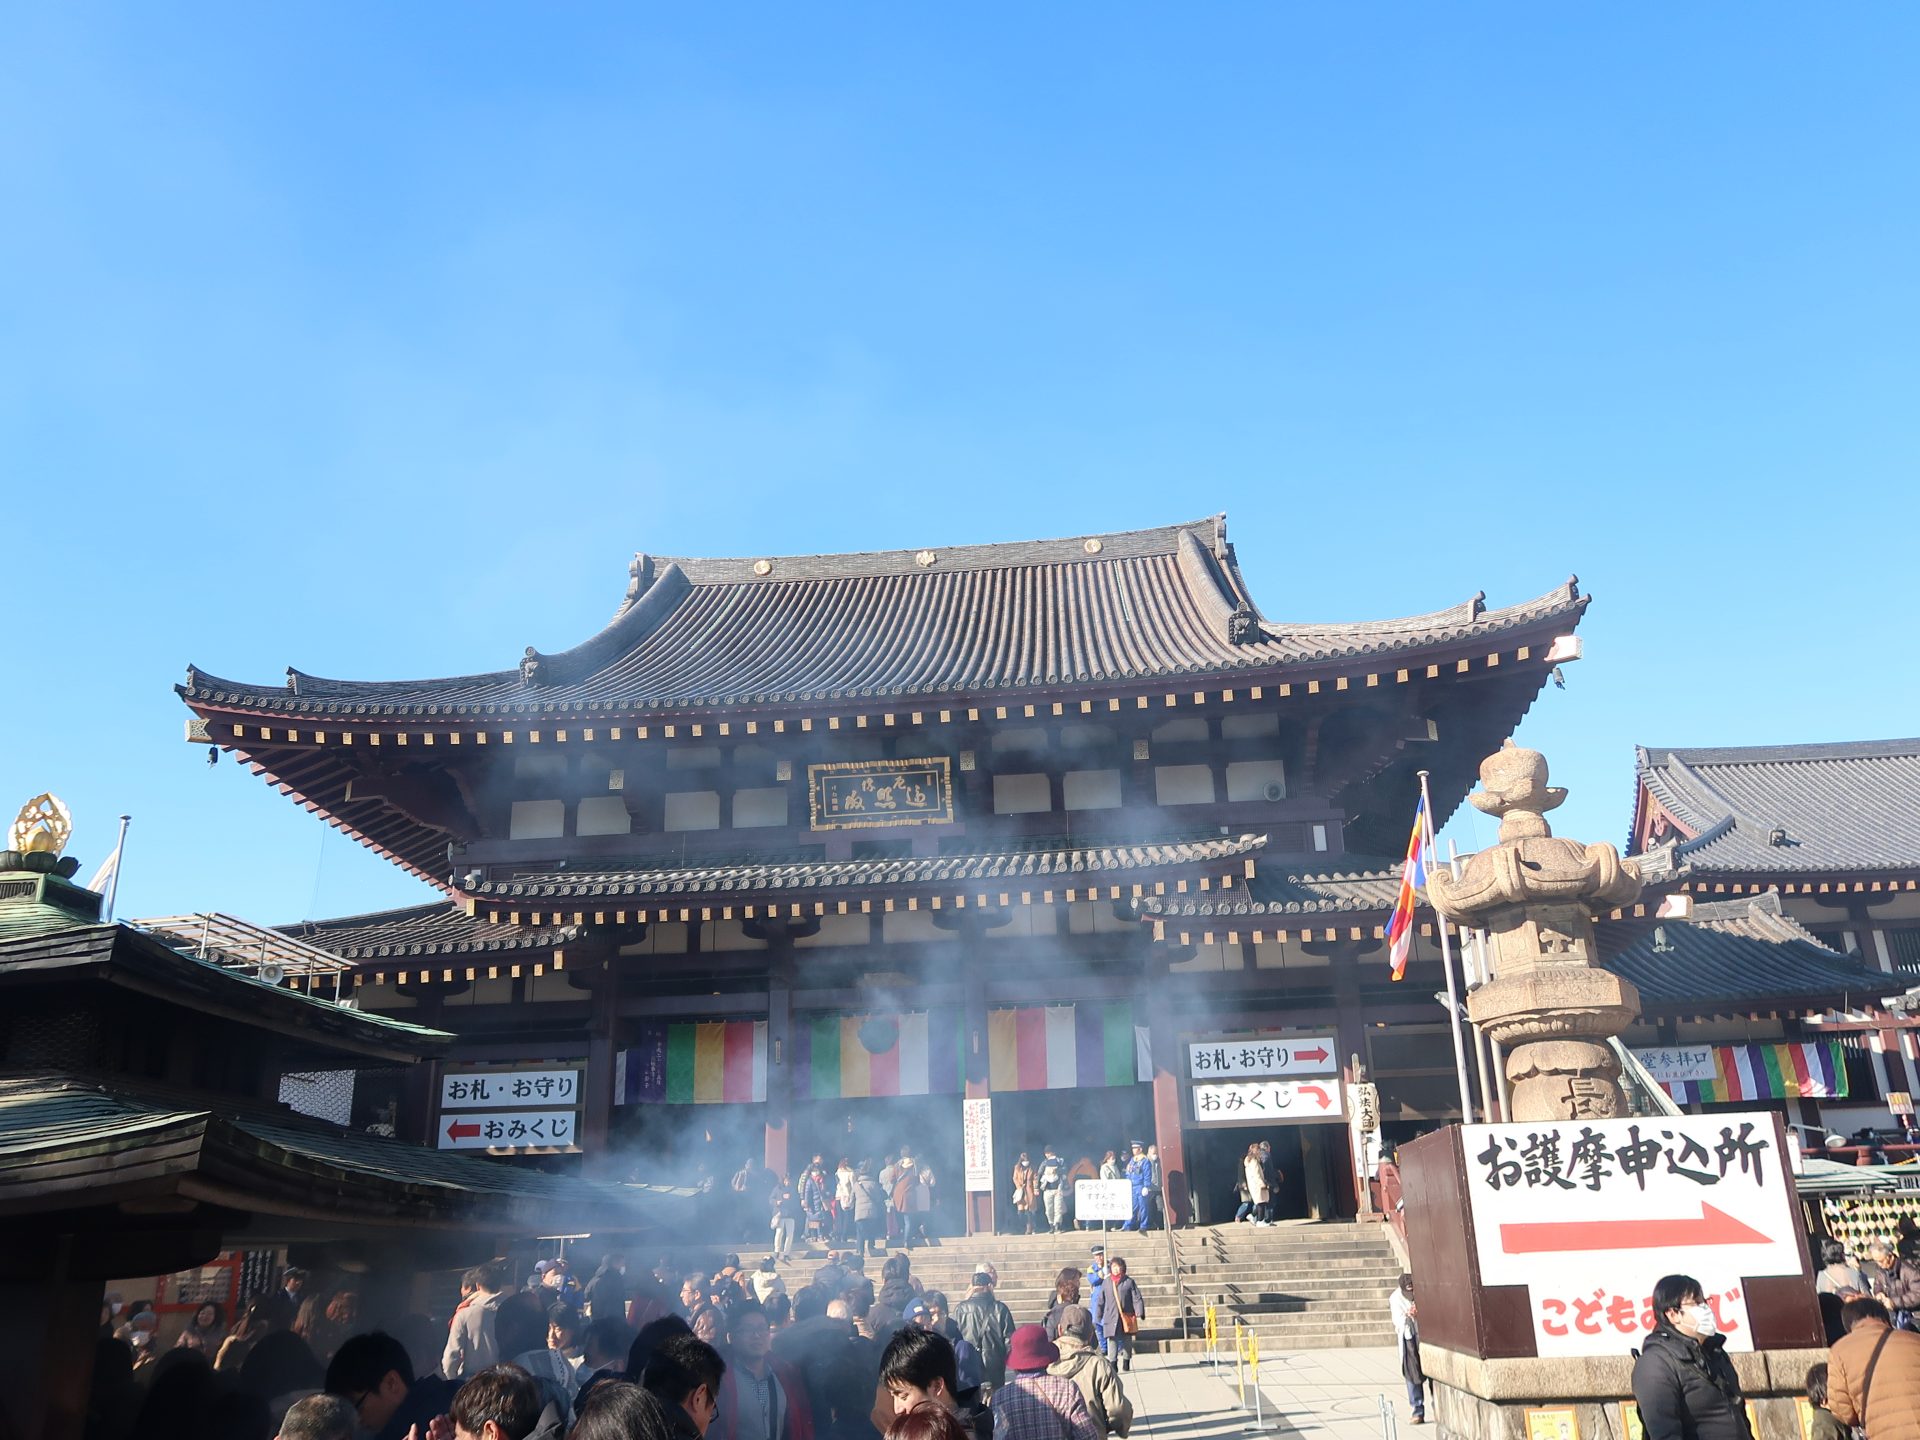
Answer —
1535 894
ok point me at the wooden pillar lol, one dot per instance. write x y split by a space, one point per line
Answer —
597 1119
48 1329
1168 1130
1350 1034
779 1152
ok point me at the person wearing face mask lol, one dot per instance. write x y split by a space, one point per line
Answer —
1683 1381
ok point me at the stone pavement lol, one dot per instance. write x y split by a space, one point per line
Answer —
1311 1394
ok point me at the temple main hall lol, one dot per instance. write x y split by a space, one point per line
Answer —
973 848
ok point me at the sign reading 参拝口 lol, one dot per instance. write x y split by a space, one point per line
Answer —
1103 1200
510 1130
976 1138
1588 1214
1266 1102
1677 1064
476 1089
869 794
1272 1055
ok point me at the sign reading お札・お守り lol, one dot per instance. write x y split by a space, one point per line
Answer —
477 1089
1224 1059
1590 1213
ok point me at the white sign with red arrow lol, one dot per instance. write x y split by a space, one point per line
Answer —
509 1130
1266 1102
1570 1208
1222 1059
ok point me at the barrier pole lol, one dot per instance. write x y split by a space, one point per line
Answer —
1213 1338
1240 1363
1253 1371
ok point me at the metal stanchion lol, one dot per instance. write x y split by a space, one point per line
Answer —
1213 1339
1252 1343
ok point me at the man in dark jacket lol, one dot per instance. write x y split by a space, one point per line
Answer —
1683 1381
987 1325
373 1373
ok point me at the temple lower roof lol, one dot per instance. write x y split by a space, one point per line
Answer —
782 880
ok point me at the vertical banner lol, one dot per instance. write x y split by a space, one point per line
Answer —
976 1130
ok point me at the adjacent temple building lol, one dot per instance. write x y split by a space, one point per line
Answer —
799 853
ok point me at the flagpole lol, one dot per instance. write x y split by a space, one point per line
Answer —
1446 963
1468 969
119 855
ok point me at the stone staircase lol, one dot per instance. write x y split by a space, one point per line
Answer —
1301 1286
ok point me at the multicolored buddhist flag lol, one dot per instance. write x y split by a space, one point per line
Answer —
705 1063
1778 1070
1412 877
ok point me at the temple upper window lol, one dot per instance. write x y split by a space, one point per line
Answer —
602 815
1183 784
692 810
537 820
1092 789
1256 780
1021 794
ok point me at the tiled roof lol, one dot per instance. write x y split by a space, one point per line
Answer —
441 928
1293 886
1744 953
1119 609
782 878
63 1135
132 959
1791 809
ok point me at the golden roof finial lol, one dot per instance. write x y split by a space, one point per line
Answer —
41 827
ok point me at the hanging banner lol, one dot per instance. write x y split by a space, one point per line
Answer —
715 1062
976 1134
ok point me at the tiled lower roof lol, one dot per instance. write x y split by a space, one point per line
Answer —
1061 863
1744 953
441 928
1293 886
61 1136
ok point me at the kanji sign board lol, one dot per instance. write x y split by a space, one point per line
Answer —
1266 1102
1272 1055
478 1089
1590 1213
509 1130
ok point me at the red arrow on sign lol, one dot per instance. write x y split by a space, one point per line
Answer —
1317 1053
457 1131
1713 1227
1314 1090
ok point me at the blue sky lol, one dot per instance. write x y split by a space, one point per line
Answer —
375 340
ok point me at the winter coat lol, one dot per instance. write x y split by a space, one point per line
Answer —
552 1424
1099 1385
814 1193
607 1294
1898 1286
1835 1279
1116 1296
1892 1408
869 1200
1026 1188
1256 1179
987 1325
1686 1389
471 1346
843 1188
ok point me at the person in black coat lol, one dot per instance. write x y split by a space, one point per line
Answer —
1683 1381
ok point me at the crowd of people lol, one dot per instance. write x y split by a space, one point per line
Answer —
1043 1189
876 1205
726 1353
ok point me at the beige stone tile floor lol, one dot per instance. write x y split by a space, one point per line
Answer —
1308 1394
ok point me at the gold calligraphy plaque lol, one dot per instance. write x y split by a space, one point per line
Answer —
871 794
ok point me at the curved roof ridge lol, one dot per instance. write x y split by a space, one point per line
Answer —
1470 611
994 554
1786 754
